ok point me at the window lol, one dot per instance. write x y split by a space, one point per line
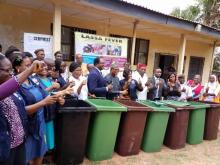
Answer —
196 65
141 51
68 40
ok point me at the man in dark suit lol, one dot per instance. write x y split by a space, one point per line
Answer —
97 85
156 86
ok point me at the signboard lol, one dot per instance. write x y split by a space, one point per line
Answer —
110 48
34 41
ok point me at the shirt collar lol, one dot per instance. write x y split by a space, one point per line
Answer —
156 77
98 69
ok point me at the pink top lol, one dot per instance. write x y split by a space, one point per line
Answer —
8 87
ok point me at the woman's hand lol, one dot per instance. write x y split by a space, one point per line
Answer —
50 100
84 82
68 90
55 85
61 100
37 66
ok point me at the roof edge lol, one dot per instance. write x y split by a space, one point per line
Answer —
154 16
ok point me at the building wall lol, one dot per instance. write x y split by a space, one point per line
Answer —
15 20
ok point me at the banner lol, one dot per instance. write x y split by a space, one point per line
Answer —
110 48
34 41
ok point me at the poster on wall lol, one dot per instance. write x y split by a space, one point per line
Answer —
110 48
33 41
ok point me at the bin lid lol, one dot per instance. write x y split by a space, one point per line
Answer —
198 105
72 105
178 105
211 104
106 105
156 106
132 105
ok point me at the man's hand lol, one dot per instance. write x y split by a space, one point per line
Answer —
109 87
124 92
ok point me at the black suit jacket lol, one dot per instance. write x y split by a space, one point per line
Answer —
151 95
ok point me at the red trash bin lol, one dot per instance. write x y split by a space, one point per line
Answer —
211 121
176 132
131 128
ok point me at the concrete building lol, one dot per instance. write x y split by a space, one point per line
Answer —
154 38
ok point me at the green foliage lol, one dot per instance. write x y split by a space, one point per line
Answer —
204 11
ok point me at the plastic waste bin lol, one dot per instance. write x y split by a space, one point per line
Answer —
176 132
155 127
103 129
196 123
211 121
71 133
131 128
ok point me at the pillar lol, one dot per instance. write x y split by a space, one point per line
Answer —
57 28
134 41
181 54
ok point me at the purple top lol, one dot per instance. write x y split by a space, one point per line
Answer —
16 128
8 87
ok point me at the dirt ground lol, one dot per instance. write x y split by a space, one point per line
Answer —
206 153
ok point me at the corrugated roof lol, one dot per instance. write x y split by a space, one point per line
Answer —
144 7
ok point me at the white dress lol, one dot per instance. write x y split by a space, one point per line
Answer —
84 91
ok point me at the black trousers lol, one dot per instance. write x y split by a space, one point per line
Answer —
17 156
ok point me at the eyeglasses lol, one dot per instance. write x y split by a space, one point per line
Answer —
10 71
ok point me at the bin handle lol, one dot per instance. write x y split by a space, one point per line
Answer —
97 98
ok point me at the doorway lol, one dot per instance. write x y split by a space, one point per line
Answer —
165 62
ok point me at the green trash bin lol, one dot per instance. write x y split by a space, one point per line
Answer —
196 123
156 125
103 129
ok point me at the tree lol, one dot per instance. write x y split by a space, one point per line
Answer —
190 13
210 12
205 11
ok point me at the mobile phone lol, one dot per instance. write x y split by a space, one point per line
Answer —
52 93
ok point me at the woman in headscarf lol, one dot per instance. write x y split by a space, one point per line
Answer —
210 88
217 91
196 87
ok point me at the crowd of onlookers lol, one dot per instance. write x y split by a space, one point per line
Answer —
31 89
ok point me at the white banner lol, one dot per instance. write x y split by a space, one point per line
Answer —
110 48
34 41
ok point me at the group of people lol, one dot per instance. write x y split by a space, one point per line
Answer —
31 89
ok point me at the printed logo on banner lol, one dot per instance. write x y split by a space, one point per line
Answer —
34 41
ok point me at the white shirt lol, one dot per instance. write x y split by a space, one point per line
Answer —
84 91
105 72
157 81
212 90
65 75
187 93
120 74
143 94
